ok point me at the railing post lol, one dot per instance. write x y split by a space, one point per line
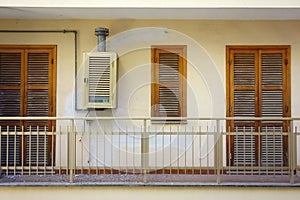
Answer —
292 152
145 150
218 155
71 150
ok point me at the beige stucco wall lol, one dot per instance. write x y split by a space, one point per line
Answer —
159 193
132 39
209 38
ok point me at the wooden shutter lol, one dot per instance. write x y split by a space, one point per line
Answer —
273 96
27 88
258 86
38 88
244 105
10 104
168 81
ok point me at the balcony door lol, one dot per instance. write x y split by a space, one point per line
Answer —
258 85
27 89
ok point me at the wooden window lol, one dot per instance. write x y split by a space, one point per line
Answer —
27 89
258 85
168 97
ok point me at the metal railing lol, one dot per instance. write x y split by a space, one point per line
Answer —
110 149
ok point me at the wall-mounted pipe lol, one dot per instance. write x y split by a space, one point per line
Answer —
75 50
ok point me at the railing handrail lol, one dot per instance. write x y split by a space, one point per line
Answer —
155 118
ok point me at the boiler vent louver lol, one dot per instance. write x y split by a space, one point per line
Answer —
101 74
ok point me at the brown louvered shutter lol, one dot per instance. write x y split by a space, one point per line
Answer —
27 88
244 105
168 81
10 104
38 80
258 86
273 95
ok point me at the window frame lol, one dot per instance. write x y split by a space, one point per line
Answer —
24 87
258 88
181 50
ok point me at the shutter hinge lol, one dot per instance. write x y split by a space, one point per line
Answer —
286 61
230 62
230 108
52 61
286 108
230 156
155 59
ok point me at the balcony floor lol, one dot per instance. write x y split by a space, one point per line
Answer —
151 179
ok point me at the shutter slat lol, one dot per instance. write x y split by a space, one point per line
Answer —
9 103
169 103
37 103
244 103
244 69
10 69
168 68
272 69
38 64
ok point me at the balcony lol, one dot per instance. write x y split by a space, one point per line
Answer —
137 151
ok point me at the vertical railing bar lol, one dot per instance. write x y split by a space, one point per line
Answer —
244 150
81 151
259 150
267 150
104 151
178 148
89 151
134 149
97 152
145 149
68 150
126 147
274 151
281 151
72 150
156 150
7 149
215 146
207 150
60 149
15 149
52 151
200 150
294 141
163 149
119 149
236 148
291 153
111 150
193 150
219 151
251 147
229 149
170 136
30 143
45 150
37 150
185 150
